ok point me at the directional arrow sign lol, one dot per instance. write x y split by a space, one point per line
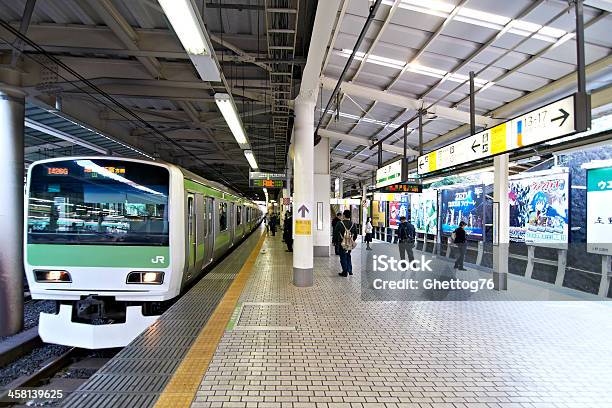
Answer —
303 210
549 122
474 146
563 117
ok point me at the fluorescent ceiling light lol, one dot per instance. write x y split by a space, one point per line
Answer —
225 103
251 159
189 27
182 16
483 19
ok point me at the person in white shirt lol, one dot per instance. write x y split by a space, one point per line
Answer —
368 233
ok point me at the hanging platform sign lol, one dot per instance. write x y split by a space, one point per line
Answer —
261 179
549 122
392 173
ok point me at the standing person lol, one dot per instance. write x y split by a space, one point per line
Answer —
407 234
273 224
368 233
341 228
288 231
459 239
334 222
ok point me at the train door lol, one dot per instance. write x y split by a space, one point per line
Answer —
200 231
231 211
191 232
209 235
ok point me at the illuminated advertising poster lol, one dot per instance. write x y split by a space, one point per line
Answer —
397 209
463 204
539 209
424 212
378 213
599 211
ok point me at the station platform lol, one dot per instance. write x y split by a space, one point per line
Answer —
269 344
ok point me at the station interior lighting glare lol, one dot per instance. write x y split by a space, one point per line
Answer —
251 159
484 19
185 24
225 103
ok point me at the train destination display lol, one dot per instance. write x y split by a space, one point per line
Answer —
402 188
599 211
539 208
546 123
261 179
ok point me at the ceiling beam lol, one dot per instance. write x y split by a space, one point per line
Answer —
51 131
361 141
342 160
243 54
403 101
124 31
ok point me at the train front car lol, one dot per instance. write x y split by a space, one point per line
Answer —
98 241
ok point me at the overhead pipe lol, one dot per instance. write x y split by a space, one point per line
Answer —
364 30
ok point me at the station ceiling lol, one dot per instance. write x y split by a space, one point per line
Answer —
424 50
143 91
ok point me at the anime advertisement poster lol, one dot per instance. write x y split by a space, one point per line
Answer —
539 209
599 211
397 209
463 204
424 212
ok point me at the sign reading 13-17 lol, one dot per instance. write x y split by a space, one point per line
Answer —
549 122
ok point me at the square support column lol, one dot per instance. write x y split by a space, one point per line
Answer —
303 188
501 222
322 180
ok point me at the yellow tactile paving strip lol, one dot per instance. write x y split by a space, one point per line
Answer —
182 388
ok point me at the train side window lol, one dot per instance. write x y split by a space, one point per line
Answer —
238 215
222 216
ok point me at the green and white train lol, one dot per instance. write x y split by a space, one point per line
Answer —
114 240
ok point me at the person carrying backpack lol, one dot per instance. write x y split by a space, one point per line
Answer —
345 234
407 235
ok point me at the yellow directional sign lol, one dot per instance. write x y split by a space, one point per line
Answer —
549 122
303 227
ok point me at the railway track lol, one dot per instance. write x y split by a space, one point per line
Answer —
51 383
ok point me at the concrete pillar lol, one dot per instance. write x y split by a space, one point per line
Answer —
364 208
322 230
11 204
303 188
501 222
340 187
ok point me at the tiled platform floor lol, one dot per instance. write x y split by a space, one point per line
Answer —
325 347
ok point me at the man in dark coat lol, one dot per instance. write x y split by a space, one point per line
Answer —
288 231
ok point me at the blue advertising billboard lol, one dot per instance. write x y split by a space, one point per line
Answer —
463 204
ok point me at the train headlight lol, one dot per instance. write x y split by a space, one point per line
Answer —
146 278
52 276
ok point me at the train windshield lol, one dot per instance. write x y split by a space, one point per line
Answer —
98 202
